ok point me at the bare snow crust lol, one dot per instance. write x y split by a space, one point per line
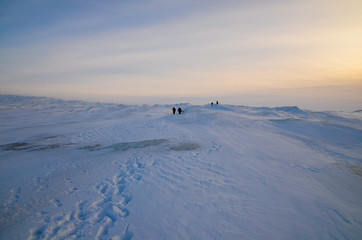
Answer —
78 170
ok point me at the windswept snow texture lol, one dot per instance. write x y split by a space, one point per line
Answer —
77 170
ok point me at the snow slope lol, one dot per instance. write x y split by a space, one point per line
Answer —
78 170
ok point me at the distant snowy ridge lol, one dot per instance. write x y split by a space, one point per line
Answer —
80 170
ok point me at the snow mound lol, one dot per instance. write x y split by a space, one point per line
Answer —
290 109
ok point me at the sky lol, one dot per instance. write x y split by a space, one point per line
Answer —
306 53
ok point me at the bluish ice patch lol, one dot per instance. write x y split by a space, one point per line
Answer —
185 147
136 145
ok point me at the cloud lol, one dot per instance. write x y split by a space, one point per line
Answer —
198 50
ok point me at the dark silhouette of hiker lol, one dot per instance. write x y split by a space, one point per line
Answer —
212 104
179 110
217 102
173 110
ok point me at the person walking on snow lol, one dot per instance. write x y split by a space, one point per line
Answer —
173 110
179 110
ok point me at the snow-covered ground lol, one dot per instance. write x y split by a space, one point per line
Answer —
77 170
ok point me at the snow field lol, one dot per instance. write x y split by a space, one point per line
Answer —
76 170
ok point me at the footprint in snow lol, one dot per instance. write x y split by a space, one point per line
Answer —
103 212
56 202
72 190
214 148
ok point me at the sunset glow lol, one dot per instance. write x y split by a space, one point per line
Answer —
161 51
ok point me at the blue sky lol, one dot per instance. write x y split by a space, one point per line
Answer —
258 53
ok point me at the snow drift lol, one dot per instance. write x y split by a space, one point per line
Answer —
78 170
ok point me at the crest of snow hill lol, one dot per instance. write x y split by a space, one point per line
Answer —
80 170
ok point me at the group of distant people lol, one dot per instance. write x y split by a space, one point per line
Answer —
179 110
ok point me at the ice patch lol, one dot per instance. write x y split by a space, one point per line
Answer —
24 146
185 147
91 147
136 145
117 147
356 170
